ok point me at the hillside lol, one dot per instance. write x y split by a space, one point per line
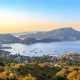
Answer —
7 38
62 34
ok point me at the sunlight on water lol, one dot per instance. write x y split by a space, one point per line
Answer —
44 48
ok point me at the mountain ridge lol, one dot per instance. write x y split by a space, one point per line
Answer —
61 34
7 38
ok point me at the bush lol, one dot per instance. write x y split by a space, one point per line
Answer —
62 75
75 75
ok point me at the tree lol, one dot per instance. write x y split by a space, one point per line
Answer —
29 77
12 76
75 75
62 75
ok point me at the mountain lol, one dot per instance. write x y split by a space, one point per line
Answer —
22 33
32 40
19 34
7 38
29 41
62 34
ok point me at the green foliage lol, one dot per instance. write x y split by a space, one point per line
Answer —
39 71
62 74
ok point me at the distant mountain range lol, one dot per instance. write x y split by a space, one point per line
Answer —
62 34
32 40
7 38
59 34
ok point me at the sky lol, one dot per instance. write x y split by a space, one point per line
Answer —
38 15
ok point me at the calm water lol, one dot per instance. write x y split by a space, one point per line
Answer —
39 49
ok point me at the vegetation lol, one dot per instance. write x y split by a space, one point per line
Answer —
39 71
66 67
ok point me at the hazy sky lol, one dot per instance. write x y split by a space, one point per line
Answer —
35 15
